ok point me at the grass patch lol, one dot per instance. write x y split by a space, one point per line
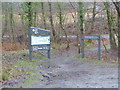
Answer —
95 62
5 76
32 78
15 55
27 83
20 66
25 63
41 59
22 55
26 68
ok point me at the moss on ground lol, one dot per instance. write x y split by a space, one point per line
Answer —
20 65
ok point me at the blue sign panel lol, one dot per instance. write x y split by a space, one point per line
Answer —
90 37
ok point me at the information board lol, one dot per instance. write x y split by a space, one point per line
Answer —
39 39
97 37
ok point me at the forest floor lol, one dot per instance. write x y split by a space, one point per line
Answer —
70 71
66 69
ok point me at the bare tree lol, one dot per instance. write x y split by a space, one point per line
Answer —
11 18
43 14
51 21
117 6
93 17
110 22
27 9
80 23
77 29
61 23
81 16
6 13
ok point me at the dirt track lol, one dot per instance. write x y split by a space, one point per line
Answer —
65 72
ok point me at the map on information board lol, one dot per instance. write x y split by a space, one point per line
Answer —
40 39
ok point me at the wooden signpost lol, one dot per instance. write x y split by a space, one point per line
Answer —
39 39
96 37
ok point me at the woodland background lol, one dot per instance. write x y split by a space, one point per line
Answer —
68 21
64 19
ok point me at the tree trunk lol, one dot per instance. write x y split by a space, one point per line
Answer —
93 18
117 6
77 29
29 18
111 35
29 15
43 14
6 22
35 17
12 24
80 23
51 21
119 32
80 17
61 21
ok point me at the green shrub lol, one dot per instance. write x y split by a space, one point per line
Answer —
88 42
5 76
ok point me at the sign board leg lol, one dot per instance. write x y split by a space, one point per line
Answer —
48 53
30 57
99 55
30 47
82 48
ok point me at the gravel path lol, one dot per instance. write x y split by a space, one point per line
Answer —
65 72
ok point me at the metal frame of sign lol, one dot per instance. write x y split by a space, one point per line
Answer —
38 47
96 37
